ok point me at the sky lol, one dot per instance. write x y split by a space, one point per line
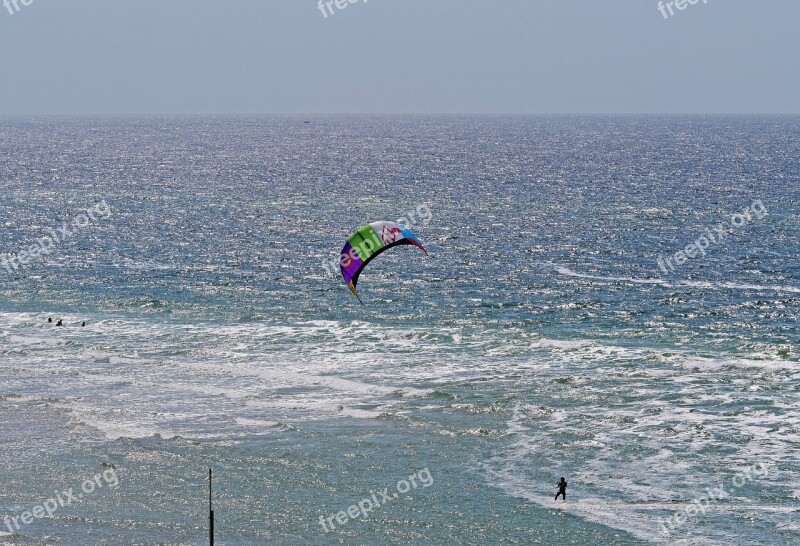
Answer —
133 57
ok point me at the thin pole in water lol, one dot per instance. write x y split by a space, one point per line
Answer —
210 512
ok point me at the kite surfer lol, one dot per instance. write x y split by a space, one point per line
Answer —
562 488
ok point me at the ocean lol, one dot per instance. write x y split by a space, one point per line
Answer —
612 299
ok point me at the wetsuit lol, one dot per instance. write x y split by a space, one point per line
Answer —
562 490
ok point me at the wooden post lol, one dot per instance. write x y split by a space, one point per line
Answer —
210 512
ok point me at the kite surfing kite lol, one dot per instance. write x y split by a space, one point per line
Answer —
369 241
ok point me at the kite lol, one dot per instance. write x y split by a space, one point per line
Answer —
369 241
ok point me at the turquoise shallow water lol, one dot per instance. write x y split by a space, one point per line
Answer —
541 337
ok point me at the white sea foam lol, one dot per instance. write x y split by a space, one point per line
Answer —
258 423
663 474
225 383
35 340
562 344
671 284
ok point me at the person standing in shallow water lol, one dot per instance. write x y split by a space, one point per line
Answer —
562 488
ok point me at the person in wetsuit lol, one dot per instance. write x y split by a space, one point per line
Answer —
562 488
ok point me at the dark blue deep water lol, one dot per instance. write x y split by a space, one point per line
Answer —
559 327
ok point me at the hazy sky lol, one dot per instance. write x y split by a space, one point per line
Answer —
464 56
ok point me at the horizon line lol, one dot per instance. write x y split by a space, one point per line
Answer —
312 114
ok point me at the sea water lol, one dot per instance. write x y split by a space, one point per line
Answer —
539 338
